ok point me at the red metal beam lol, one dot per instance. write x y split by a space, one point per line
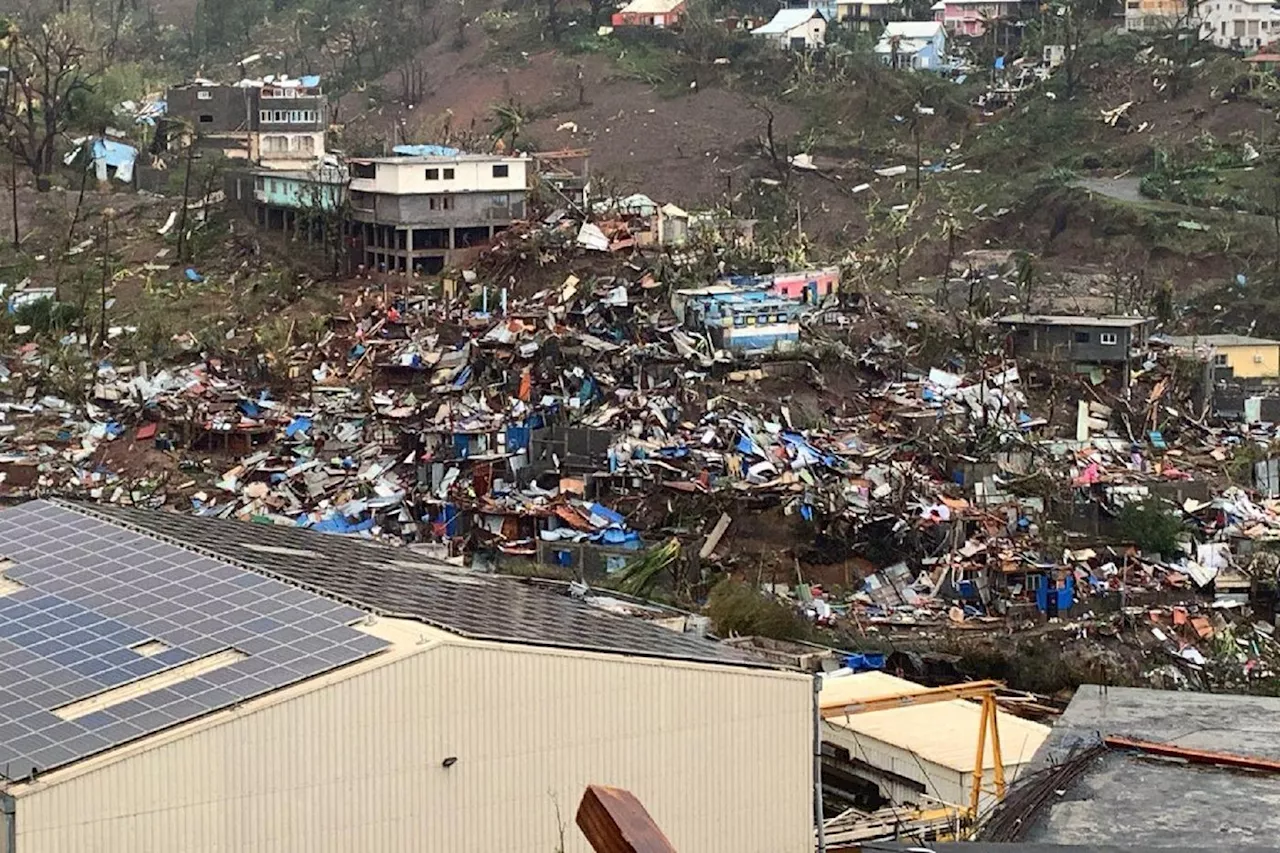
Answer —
1195 756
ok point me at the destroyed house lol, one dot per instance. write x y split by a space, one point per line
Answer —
1079 341
414 213
279 123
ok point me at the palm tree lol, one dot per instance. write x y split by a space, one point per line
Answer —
510 120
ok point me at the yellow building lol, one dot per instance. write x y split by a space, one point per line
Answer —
919 754
1246 357
1153 15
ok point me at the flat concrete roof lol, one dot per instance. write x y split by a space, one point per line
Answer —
1135 801
1217 341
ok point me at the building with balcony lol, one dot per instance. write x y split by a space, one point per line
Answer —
276 124
866 15
415 213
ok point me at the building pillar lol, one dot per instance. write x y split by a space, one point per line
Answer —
453 240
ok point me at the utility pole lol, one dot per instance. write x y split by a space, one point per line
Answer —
817 763
107 215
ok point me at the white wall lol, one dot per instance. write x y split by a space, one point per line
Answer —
941 783
469 175
720 757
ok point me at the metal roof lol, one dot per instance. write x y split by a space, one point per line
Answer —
787 20
651 7
108 635
1072 320
398 582
944 733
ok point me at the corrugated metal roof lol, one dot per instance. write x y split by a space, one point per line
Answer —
651 7
398 582
1072 320
944 733
911 29
785 21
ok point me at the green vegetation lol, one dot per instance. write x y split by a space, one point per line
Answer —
737 608
1151 527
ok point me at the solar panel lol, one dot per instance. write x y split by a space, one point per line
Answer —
91 593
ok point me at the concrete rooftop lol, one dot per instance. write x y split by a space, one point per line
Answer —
1135 801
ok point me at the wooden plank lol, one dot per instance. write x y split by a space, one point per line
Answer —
614 821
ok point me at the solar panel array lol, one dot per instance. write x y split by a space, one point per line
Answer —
396 580
91 593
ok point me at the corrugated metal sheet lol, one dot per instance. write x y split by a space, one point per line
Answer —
718 755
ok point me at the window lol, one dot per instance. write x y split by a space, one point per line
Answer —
448 174
259 183
500 171
275 144
368 171
205 118
440 202
1257 358
204 96
1220 360
1107 339
264 116
1082 337
433 175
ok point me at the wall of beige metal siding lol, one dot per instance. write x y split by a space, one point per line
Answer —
720 756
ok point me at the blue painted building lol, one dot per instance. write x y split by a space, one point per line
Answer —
275 197
745 322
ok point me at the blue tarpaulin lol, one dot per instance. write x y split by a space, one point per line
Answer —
862 662
298 425
310 80
109 154
336 523
518 438
192 275
607 514
425 151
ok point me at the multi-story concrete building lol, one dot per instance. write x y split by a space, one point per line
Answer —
276 124
1238 24
413 213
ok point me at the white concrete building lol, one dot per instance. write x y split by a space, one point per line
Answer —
413 213
187 685
1239 24
919 754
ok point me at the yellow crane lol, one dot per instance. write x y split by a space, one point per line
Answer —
981 690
